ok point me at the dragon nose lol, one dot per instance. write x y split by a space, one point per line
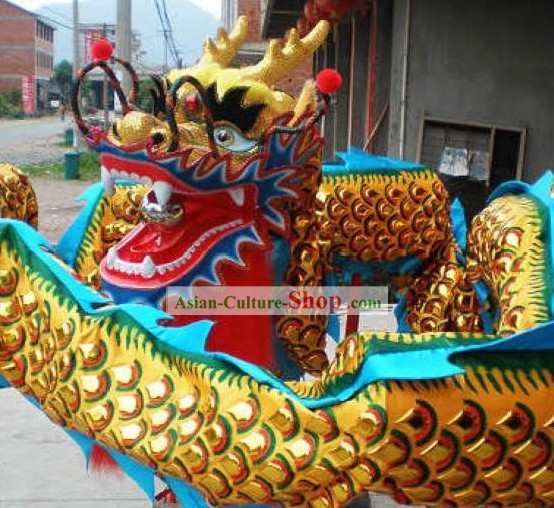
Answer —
114 130
134 127
160 137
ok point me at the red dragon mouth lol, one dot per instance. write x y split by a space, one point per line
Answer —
156 254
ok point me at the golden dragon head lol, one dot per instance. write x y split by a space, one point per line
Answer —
219 138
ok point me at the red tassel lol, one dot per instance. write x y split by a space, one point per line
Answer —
166 496
102 462
353 318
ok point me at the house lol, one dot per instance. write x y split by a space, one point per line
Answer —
463 86
27 63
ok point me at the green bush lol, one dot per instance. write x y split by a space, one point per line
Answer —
89 168
144 98
10 103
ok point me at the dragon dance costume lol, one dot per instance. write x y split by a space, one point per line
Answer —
223 184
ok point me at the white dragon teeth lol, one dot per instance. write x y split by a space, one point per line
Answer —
107 181
147 268
163 192
109 176
237 195
111 257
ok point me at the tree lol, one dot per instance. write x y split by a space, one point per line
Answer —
144 96
10 103
63 78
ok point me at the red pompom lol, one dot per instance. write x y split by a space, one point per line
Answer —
191 102
102 49
328 81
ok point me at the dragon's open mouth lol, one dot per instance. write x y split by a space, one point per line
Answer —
185 226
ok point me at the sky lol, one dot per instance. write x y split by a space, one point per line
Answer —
212 6
192 21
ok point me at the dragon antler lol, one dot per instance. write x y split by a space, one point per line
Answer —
280 59
226 46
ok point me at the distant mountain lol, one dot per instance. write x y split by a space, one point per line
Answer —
191 25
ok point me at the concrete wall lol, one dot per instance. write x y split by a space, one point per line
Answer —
480 61
228 14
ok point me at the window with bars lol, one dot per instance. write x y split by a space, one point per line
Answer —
472 158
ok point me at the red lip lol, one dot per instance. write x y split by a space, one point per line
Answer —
175 249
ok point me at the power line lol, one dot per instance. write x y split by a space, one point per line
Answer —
56 22
174 49
160 17
57 13
167 30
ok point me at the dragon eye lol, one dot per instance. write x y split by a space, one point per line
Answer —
231 139
224 137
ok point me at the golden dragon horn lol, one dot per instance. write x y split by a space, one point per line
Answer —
224 49
280 59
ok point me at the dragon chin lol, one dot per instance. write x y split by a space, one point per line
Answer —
160 252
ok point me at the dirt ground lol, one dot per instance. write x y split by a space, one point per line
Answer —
57 205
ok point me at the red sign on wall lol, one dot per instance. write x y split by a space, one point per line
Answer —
28 94
91 36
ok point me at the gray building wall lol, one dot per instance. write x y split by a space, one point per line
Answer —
477 61
382 75
351 103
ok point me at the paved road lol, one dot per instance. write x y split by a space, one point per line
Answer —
41 466
17 131
32 141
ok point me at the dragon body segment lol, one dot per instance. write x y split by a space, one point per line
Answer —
17 199
465 433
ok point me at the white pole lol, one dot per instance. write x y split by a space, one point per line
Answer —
76 66
123 46
404 97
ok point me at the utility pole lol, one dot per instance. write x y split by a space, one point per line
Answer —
123 37
165 52
76 66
